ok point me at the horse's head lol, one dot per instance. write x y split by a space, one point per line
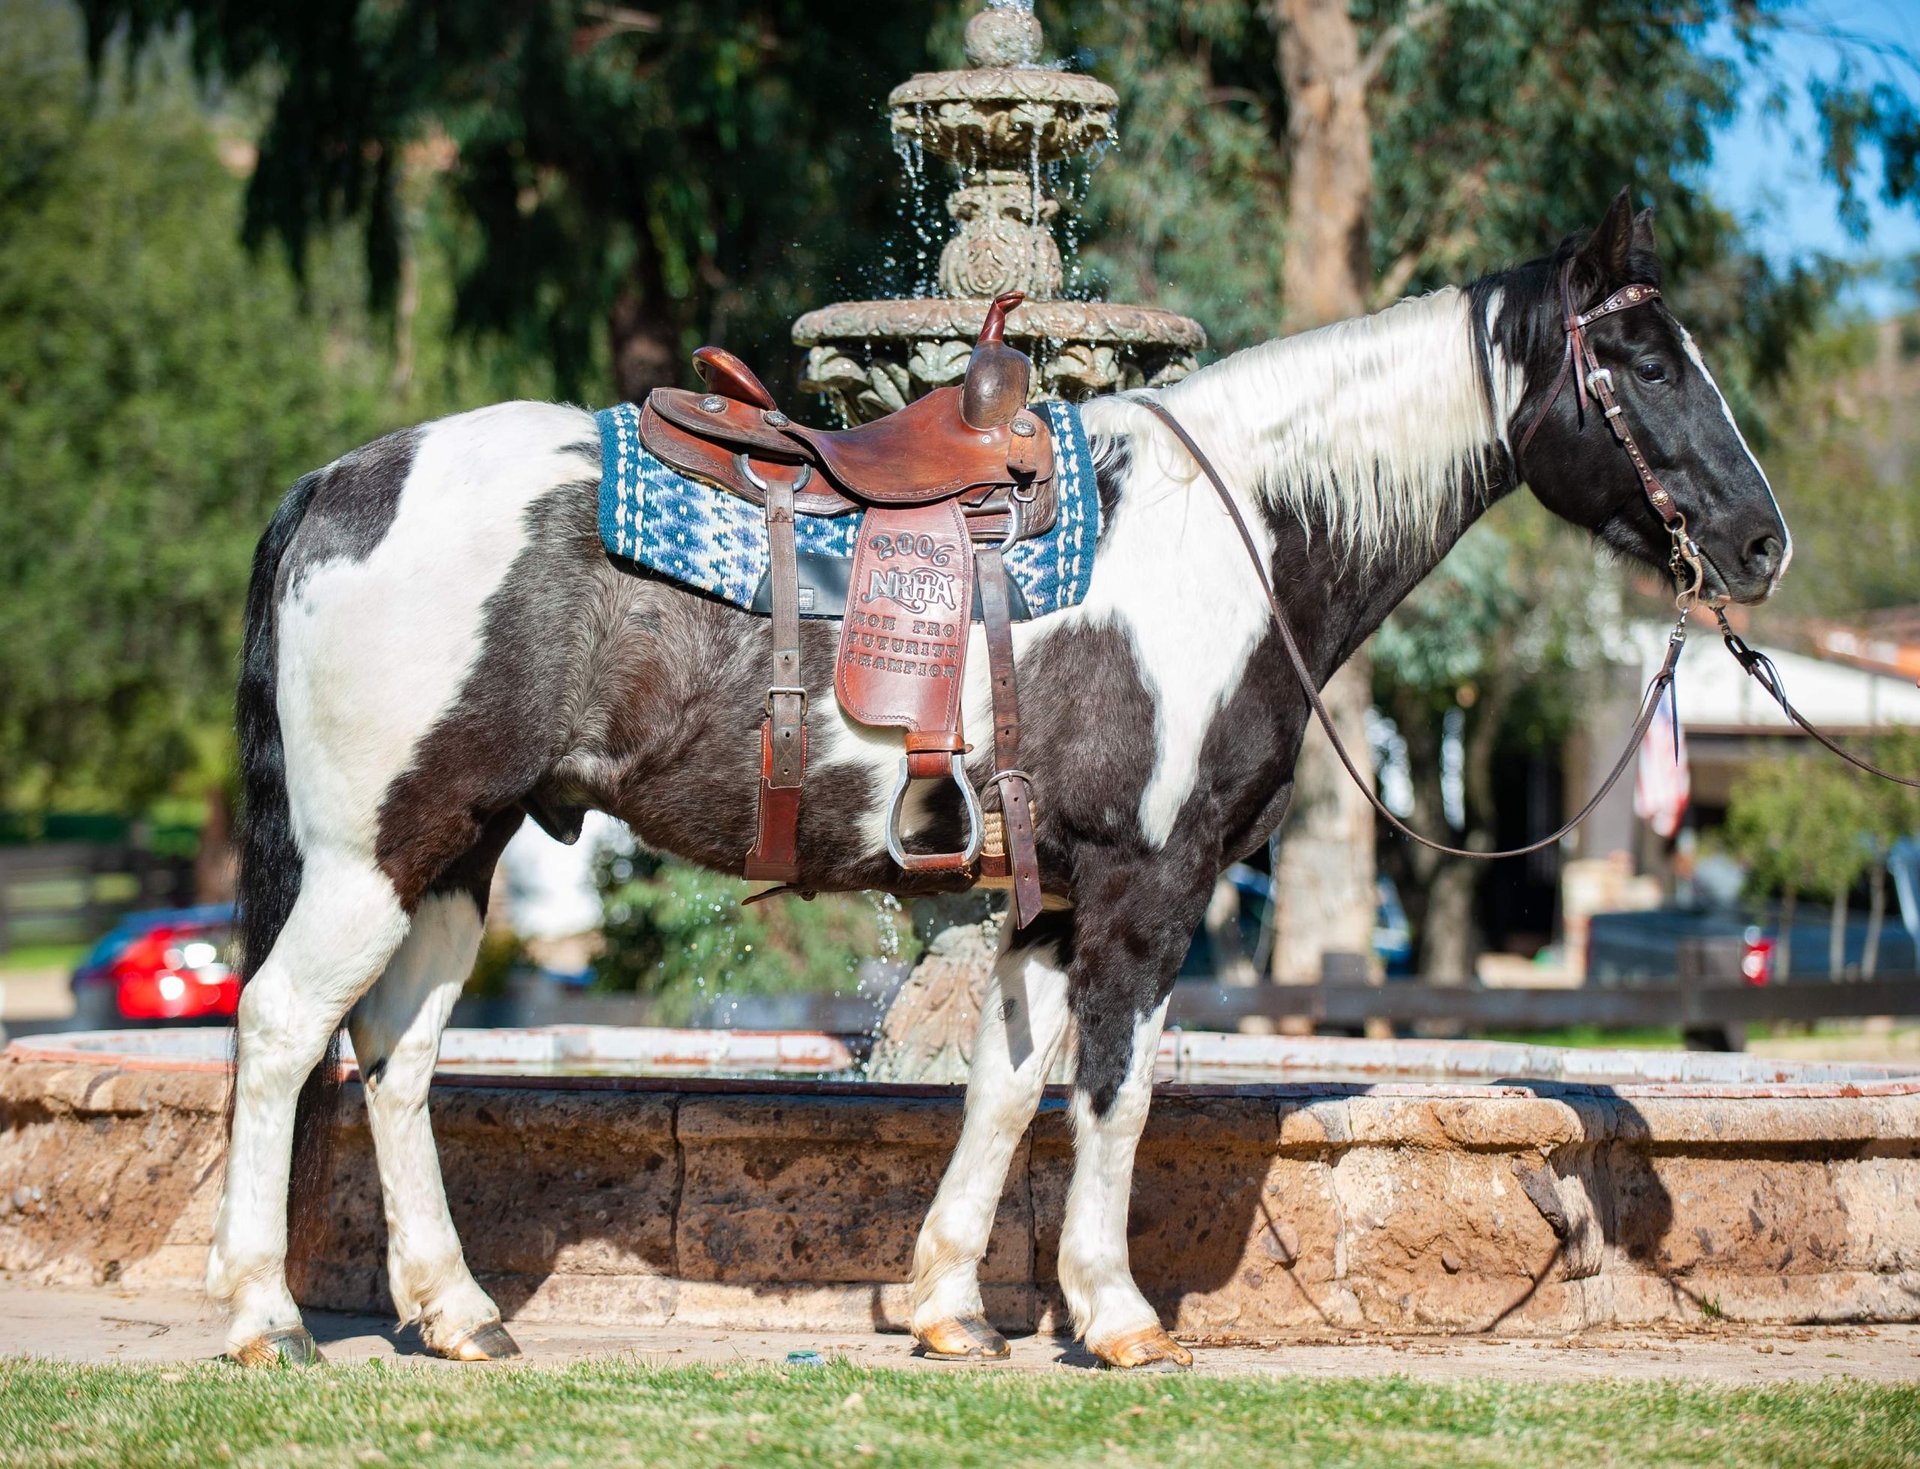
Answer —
1669 403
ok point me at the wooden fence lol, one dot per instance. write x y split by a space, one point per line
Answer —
1712 1016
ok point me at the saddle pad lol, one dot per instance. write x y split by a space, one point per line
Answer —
704 538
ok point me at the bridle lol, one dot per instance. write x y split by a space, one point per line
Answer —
1686 562
1594 382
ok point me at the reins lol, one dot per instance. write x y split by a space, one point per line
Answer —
1649 706
1685 562
1760 668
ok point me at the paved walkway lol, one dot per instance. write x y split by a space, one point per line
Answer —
109 1325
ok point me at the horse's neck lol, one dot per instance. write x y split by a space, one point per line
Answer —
1366 448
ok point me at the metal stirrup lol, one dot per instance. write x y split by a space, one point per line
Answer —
935 861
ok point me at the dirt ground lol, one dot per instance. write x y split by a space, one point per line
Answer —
109 1325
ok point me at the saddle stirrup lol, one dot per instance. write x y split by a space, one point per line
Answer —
958 861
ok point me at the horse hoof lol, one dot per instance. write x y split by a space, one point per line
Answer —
290 1346
487 1343
962 1339
1147 1350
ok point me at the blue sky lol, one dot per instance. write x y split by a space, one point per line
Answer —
1766 168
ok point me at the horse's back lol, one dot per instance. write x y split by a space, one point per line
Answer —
385 591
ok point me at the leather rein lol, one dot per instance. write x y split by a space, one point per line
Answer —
1593 382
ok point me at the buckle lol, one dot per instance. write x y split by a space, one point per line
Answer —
935 861
778 689
1001 777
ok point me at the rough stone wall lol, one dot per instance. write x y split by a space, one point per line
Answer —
1253 1212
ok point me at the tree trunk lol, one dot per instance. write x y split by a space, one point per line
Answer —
1447 948
645 341
1789 902
216 864
1324 898
1876 914
1837 937
1325 881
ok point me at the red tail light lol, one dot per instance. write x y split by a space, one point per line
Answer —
174 974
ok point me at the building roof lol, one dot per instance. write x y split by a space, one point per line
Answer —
1717 696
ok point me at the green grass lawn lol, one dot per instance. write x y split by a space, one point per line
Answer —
614 1412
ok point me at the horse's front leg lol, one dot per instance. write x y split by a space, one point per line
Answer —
1125 958
1022 1020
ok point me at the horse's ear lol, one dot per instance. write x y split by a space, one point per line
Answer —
1606 260
1643 242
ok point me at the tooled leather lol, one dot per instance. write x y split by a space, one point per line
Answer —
903 644
707 460
921 454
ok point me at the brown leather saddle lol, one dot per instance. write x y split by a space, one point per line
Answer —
943 487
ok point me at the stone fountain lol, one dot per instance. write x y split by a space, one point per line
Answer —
1007 125
1004 125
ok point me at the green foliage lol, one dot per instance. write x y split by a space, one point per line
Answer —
1845 461
1800 825
158 392
681 935
1893 811
684 172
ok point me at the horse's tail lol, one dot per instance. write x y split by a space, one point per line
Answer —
270 861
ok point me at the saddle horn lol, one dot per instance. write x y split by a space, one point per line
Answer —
997 375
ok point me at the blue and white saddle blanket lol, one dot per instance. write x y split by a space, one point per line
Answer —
714 542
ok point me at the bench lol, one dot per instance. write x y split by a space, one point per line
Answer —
942 488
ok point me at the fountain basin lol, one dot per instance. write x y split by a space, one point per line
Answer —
611 1174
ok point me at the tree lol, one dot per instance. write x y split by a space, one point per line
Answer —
1492 644
680 935
1893 813
622 182
157 396
1800 826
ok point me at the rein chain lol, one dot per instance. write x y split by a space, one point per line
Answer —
1686 563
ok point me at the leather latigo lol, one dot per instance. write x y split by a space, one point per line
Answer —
904 642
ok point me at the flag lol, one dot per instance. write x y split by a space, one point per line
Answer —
1661 786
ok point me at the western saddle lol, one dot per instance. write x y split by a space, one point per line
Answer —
943 488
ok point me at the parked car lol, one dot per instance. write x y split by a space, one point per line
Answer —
1630 948
167 964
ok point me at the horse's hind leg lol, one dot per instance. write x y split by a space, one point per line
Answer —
1022 1020
396 1031
341 931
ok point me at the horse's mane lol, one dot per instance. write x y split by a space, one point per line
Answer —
1375 432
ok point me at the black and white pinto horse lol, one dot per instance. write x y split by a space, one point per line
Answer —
437 643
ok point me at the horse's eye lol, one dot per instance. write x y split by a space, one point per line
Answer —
1651 370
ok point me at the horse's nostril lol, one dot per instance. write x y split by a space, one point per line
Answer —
1762 556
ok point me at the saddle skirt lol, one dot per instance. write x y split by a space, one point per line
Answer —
711 541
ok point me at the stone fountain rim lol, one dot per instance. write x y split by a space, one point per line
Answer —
813 1051
1034 321
1006 84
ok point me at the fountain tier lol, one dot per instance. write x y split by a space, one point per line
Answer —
1001 124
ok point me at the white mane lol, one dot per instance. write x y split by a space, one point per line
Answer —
1376 428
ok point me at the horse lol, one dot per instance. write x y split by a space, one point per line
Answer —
437 644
